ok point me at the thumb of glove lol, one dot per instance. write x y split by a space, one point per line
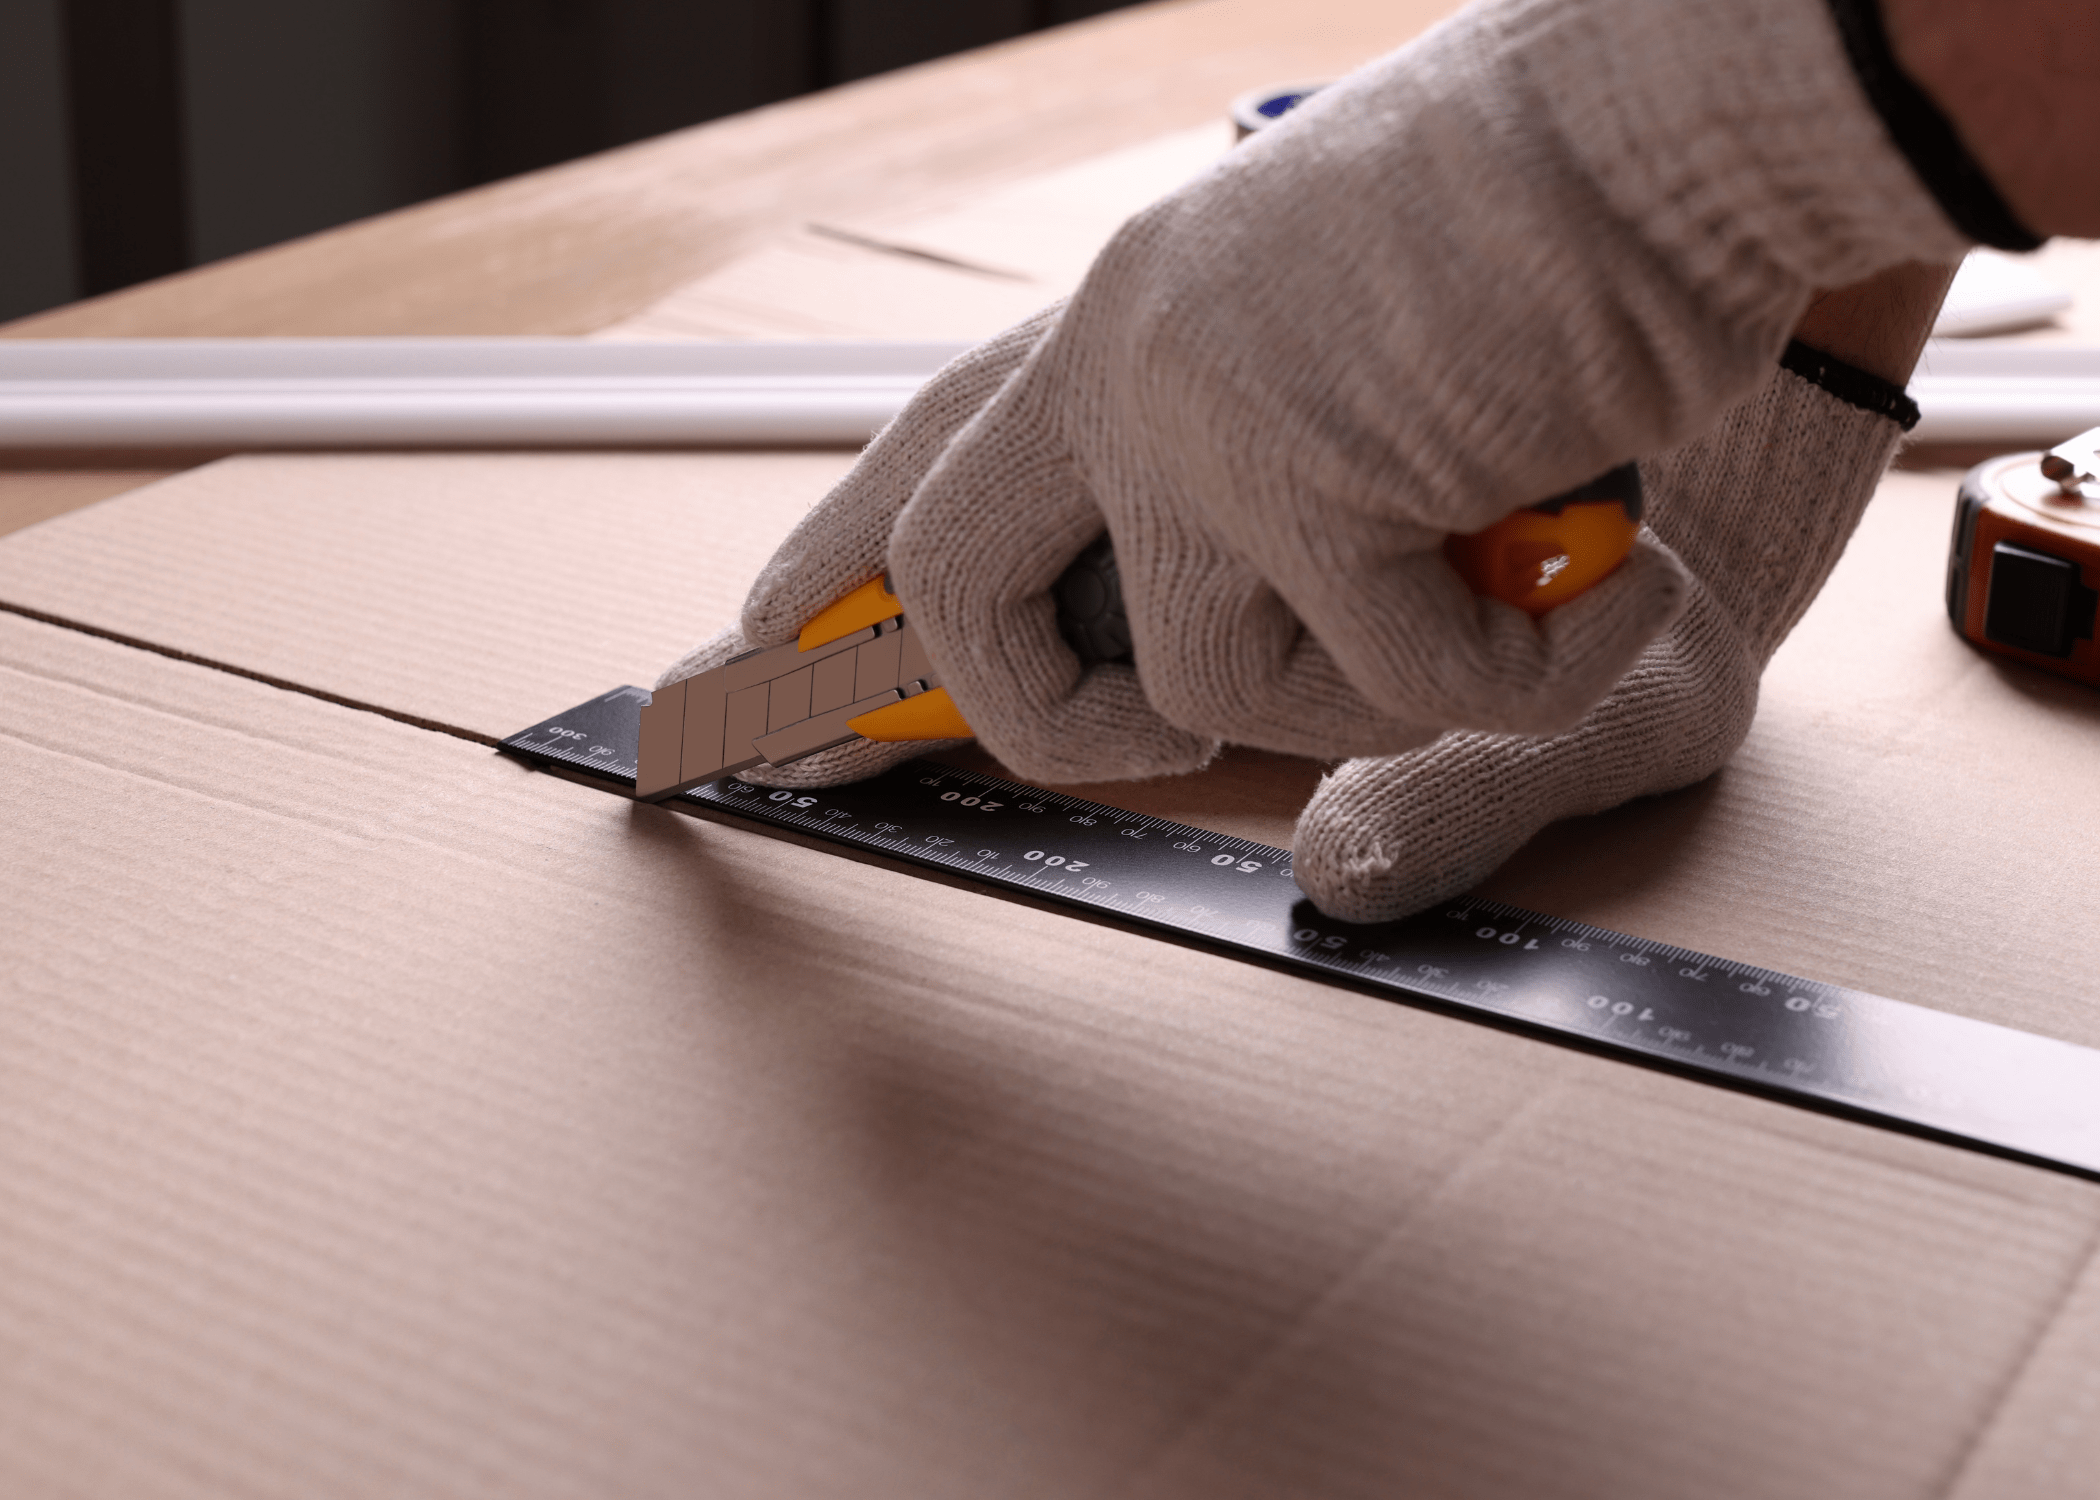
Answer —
1384 837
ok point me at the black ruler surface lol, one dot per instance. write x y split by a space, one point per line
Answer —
1843 1051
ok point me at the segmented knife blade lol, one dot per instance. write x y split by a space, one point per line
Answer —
775 705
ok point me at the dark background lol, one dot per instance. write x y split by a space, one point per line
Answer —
138 137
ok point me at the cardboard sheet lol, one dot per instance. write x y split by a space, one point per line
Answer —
463 590
971 268
380 1118
961 270
1902 819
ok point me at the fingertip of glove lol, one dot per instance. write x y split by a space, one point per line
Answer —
1375 843
1642 597
1345 873
1103 729
1367 887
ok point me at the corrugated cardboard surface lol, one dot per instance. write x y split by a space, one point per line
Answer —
971 268
966 269
1904 819
462 589
379 1118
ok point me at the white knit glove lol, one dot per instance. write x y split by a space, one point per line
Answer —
1550 236
1759 509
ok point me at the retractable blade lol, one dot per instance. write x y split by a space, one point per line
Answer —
857 671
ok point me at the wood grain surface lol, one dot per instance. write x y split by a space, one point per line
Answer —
573 248
577 247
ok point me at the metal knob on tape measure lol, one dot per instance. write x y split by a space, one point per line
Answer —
2023 568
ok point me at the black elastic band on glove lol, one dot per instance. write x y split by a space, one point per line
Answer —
1925 135
1850 384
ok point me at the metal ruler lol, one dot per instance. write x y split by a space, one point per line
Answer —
1842 1051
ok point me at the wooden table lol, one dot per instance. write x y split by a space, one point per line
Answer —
576 247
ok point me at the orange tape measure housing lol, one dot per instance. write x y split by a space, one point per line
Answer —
2023 569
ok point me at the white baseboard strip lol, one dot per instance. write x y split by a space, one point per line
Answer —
429 393
1998 391
546 393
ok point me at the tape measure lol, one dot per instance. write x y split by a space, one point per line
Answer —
1846 1052
2024 563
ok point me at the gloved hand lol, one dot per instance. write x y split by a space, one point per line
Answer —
1759 509
1550 236
844 541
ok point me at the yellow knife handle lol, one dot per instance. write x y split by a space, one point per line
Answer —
1545 555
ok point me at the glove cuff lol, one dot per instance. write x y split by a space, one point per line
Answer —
1762 506
1850 384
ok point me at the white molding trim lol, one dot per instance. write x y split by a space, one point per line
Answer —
463 392
1999 391
545 393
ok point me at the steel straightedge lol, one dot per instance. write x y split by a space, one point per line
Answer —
1841 1051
